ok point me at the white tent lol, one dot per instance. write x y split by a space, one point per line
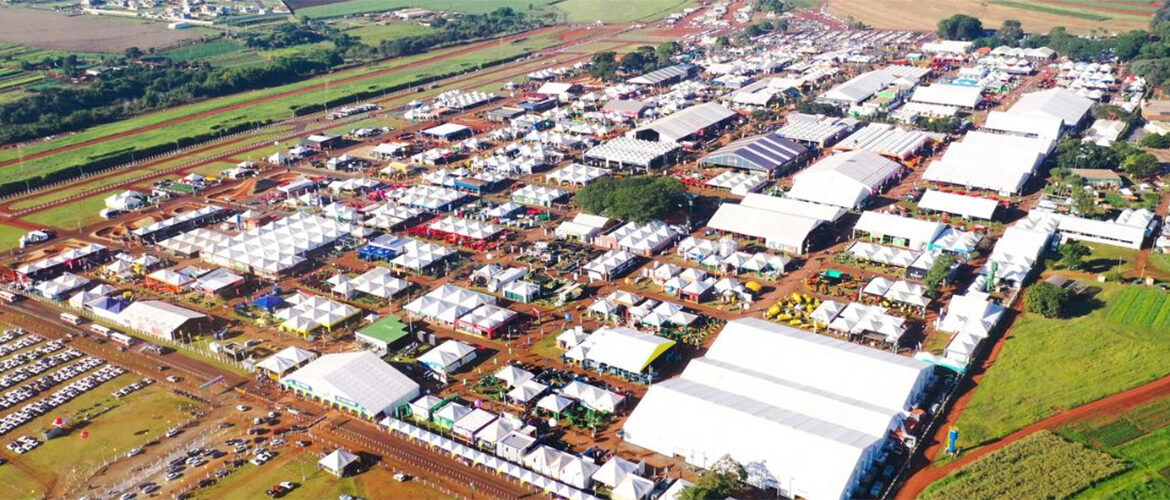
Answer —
337 462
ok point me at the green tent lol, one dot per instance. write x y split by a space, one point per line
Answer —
384 332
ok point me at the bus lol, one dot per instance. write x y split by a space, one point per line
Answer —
122 338
8 296
100 330
72 319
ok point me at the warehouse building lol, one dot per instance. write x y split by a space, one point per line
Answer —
886 140
770 153
702 121
984 160
845 180
356 382
806 414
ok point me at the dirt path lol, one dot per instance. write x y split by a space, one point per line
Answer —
1114 404
365 76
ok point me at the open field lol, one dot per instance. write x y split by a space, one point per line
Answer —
576 11
1038 467
1048 365
83 211
10 236
1037 16
203 51
373 34
275 109
84 33
1139 435
17 485
252 481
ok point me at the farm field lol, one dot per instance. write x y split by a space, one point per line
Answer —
252 481
1038 467
1139 435
41 28
616 11
1048 365
1034 15
276 109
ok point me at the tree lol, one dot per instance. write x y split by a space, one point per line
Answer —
1073 253
639 198
960 27
717 482
1011 32
604 65
133 53
1047 300
1084 201
818 108
1142 164
667 50
938 273
1156 141
1074 153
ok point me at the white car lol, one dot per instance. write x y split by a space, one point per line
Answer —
133 452
127 496
242 408
172 432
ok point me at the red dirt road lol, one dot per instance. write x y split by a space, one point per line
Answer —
463 50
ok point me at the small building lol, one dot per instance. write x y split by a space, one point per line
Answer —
1098 177
165 320
514 446
447 357
384 333
359 383
285 361
339 463
321 142
449 132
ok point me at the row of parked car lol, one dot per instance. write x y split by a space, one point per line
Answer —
7 346
136 386
19 345
61 396
20 359
24 444
27 391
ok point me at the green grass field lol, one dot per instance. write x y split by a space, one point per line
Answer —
10 236
17 485
275 109
201 51
83 211
1048 365
1080 13
576 11
129 422
373 34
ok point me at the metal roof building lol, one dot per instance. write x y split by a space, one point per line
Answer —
844 180
948 95
805 413
816 130
887 140
664 76
780 231
998 162
694 121
1067 105
972 207
357 381
764 153
896 230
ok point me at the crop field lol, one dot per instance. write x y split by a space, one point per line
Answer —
1039 467
78 213
10 237
1079 16
275 109
1048 365
42 28
1138 435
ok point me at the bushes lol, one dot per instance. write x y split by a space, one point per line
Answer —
1040 466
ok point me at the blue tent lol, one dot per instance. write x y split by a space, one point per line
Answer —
268 302
109 304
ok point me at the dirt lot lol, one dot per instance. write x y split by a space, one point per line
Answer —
83 33
915 14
